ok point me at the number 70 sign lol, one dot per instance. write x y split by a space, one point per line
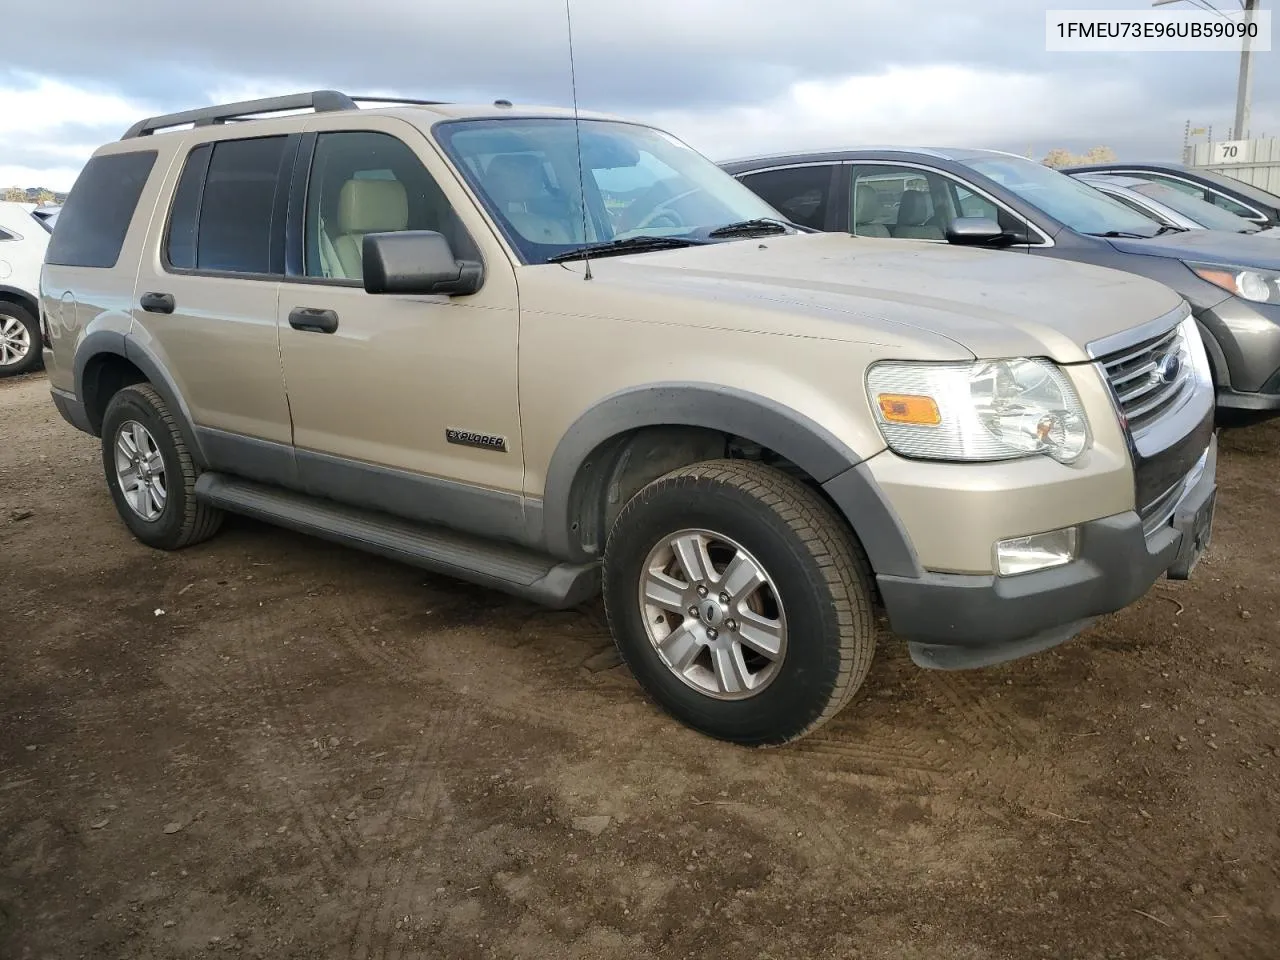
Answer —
1230 151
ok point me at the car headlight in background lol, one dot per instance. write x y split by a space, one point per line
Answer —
984 410
1193 347
1249 283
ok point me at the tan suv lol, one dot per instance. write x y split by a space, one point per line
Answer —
536 354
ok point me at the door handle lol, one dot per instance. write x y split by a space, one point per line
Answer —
158 302
313 320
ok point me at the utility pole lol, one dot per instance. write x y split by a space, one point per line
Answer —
1245 89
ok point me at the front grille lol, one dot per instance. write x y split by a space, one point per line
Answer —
1149 378
1166 409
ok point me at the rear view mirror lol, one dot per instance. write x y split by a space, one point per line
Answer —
975 232
603 152
417 261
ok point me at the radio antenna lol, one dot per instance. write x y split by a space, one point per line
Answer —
577 135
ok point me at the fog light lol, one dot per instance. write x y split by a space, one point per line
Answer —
1036 552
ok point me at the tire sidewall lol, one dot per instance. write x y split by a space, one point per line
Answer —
811 666
34 355
130 405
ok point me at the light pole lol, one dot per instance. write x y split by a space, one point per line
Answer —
1244 90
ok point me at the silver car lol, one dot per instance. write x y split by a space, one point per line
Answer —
1171 207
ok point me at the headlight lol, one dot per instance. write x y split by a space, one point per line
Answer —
1193 345
1260 286
986 410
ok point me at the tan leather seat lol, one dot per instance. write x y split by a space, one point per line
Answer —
367 206
866 208
915 214
518 185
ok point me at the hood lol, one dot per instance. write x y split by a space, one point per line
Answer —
991 303
1209 246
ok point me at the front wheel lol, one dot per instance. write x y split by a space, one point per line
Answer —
740 601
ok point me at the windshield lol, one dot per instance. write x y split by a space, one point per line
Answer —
1206 214
1077 205
640 182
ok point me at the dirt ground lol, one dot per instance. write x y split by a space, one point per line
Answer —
267 746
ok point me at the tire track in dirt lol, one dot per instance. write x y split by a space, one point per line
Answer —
975 714
881 753
259 649
356 625
1205 923
419 795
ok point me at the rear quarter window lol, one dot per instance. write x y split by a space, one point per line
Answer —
95 218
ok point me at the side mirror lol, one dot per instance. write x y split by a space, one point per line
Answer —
976 232
417 261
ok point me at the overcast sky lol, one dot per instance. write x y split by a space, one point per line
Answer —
732 77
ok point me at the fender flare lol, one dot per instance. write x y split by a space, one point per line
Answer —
128 348
804 442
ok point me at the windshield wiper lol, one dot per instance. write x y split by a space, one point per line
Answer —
1123 233
749 228
1170 228
610 248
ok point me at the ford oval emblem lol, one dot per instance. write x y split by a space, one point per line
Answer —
1167 368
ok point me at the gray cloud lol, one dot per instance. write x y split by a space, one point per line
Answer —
693 55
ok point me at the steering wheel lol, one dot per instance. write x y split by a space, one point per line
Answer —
663 215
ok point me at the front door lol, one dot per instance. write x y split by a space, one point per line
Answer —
406 404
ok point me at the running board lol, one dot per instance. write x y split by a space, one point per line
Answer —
506 567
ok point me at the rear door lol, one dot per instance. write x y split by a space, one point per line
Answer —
206 295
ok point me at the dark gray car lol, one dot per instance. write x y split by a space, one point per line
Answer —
983 197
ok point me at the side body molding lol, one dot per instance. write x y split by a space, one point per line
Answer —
753 417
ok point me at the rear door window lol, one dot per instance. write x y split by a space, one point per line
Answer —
95 219
240 229
801 194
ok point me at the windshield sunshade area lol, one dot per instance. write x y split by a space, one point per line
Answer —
640 184
1077 205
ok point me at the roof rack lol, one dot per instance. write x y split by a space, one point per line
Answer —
321 101
415 103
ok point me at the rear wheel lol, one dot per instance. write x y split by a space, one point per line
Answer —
150 472
19 340
740 601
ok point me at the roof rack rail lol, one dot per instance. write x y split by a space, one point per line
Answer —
416 103
321 101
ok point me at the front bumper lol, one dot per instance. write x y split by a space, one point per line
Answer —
1246 402
1244 343
957 621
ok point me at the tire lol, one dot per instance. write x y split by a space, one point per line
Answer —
814 609
179 519
20 344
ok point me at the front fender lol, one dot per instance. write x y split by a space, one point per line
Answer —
759 419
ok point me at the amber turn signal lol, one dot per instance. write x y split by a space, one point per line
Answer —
909 408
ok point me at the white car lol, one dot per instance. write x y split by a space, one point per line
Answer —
23 238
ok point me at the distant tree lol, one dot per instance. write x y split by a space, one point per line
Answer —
15 195
1058 157
44 196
